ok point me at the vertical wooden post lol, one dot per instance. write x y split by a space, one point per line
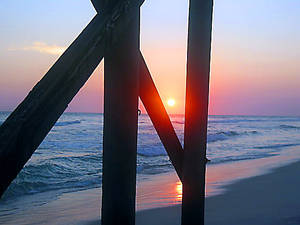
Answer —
196 111
155 108
120 125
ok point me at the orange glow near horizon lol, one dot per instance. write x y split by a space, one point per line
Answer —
171 102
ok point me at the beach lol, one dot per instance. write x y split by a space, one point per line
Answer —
262 191
272 198
252 177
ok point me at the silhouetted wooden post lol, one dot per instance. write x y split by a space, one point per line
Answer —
121 89
196 114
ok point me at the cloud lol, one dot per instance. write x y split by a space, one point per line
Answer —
43 48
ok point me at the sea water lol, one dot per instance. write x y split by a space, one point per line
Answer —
70 157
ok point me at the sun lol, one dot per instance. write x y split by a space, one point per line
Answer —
171 102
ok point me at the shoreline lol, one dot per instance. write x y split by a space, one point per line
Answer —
159 197
271 198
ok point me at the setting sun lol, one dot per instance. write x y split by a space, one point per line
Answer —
171 102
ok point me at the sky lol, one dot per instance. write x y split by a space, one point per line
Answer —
255 67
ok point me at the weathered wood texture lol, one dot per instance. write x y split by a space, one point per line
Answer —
104 5
121 90
27 126
196 114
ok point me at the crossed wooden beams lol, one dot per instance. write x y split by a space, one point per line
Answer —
114 33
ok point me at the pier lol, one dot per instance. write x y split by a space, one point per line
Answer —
114 34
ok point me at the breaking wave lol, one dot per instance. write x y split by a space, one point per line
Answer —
224 135
284 126
66 123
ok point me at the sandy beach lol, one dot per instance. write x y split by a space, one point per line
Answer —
261 191
267 199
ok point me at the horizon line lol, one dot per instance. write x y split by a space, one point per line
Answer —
177 114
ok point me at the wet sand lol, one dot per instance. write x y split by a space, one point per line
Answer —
272 198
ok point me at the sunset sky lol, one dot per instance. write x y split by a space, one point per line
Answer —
255 67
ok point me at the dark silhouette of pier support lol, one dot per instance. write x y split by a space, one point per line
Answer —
121 90
196 111
120 124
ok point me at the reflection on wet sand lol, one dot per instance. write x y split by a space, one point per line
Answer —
166 189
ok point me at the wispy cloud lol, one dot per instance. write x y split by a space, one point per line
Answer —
42 47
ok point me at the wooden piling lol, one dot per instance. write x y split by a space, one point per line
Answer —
196 114
121 89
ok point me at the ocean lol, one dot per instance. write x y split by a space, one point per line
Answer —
70 158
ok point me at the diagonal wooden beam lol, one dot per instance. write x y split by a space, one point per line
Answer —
159 117
104 5
28 125
99 5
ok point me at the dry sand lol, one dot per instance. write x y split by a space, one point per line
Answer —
272 198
